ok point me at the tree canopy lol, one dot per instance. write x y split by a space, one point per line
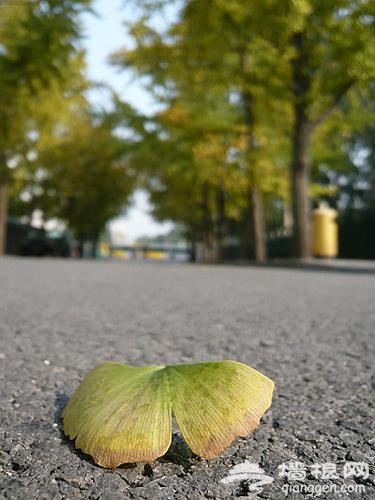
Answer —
263 109
57 153
250 92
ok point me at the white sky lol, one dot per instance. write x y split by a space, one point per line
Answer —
105 34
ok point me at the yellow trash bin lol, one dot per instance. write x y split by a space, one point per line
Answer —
325 232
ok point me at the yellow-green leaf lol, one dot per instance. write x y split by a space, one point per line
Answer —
121 413
216 402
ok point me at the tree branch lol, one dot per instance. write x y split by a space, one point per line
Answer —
335 102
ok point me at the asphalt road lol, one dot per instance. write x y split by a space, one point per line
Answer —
312 331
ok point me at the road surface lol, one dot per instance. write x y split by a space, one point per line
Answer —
310 330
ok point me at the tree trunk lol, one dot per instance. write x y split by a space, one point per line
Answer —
4 179
300 184
80 247
191 238
255 195
301 210
287 219
219 226
258 226
193 250
3 216
300 168
208 236
94 246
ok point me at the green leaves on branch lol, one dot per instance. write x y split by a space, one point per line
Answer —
66 162
38 48
122 413
246 88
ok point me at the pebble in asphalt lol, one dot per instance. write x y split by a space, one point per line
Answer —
312 331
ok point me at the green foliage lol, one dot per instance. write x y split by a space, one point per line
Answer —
343 159
79 172
244 86
244 89
66 162
87 174
37 43
203 130
37 40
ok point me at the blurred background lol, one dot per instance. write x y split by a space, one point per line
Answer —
193 130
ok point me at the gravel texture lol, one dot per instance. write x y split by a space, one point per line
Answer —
310 330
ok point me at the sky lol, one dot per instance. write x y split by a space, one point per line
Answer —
105 34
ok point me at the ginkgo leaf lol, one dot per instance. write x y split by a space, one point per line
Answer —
121 413
216 402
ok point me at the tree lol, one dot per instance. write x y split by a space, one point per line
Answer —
183 164
300 59
195 71
78 173
37 41
89 171
343 158
332 54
